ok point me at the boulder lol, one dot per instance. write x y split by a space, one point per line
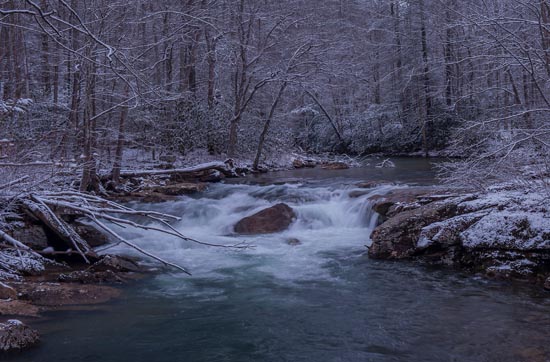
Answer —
14 335
335 166
271 220
502 235
396 238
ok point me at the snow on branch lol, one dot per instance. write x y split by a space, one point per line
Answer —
50 207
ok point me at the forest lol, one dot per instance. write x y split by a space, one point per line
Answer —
235 180
97 85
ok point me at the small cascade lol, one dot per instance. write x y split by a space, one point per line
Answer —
328 220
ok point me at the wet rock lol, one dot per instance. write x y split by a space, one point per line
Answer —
14 335
116 264
179 189
335 166
7 292
358 193
65 294
271 220
86 277
372 184
396 238
293 242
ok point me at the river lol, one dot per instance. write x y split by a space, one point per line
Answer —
321 300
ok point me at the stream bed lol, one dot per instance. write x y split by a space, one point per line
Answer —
321 300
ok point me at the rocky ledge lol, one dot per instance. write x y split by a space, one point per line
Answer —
501 233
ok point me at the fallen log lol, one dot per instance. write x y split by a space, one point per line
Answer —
36 208
224 167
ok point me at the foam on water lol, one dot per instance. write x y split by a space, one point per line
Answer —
329 222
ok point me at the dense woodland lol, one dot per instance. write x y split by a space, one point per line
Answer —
94 83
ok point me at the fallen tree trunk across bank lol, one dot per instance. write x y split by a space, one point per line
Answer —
226 168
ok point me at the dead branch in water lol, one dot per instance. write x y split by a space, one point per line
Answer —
51 207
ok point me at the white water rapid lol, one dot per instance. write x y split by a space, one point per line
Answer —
329 221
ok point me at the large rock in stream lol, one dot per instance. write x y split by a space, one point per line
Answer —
14 335
271 220
502 234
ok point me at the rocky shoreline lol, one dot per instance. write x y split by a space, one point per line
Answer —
500 234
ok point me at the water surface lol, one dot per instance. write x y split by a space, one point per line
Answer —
322 300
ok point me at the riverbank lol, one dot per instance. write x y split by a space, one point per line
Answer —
502 233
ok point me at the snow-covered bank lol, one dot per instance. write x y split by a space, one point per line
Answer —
501 233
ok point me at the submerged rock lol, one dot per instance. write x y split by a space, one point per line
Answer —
271 220
14 335
547 284
293 242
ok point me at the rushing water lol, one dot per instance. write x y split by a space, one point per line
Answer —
322 300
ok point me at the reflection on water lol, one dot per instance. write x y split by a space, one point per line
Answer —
417 171
322 300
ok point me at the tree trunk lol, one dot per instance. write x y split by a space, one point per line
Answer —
120 141
426 80
267 123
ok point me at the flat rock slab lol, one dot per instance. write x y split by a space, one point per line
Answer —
64 294
18 308
271 220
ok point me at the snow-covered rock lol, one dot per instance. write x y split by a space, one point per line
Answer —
14 335
504 233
